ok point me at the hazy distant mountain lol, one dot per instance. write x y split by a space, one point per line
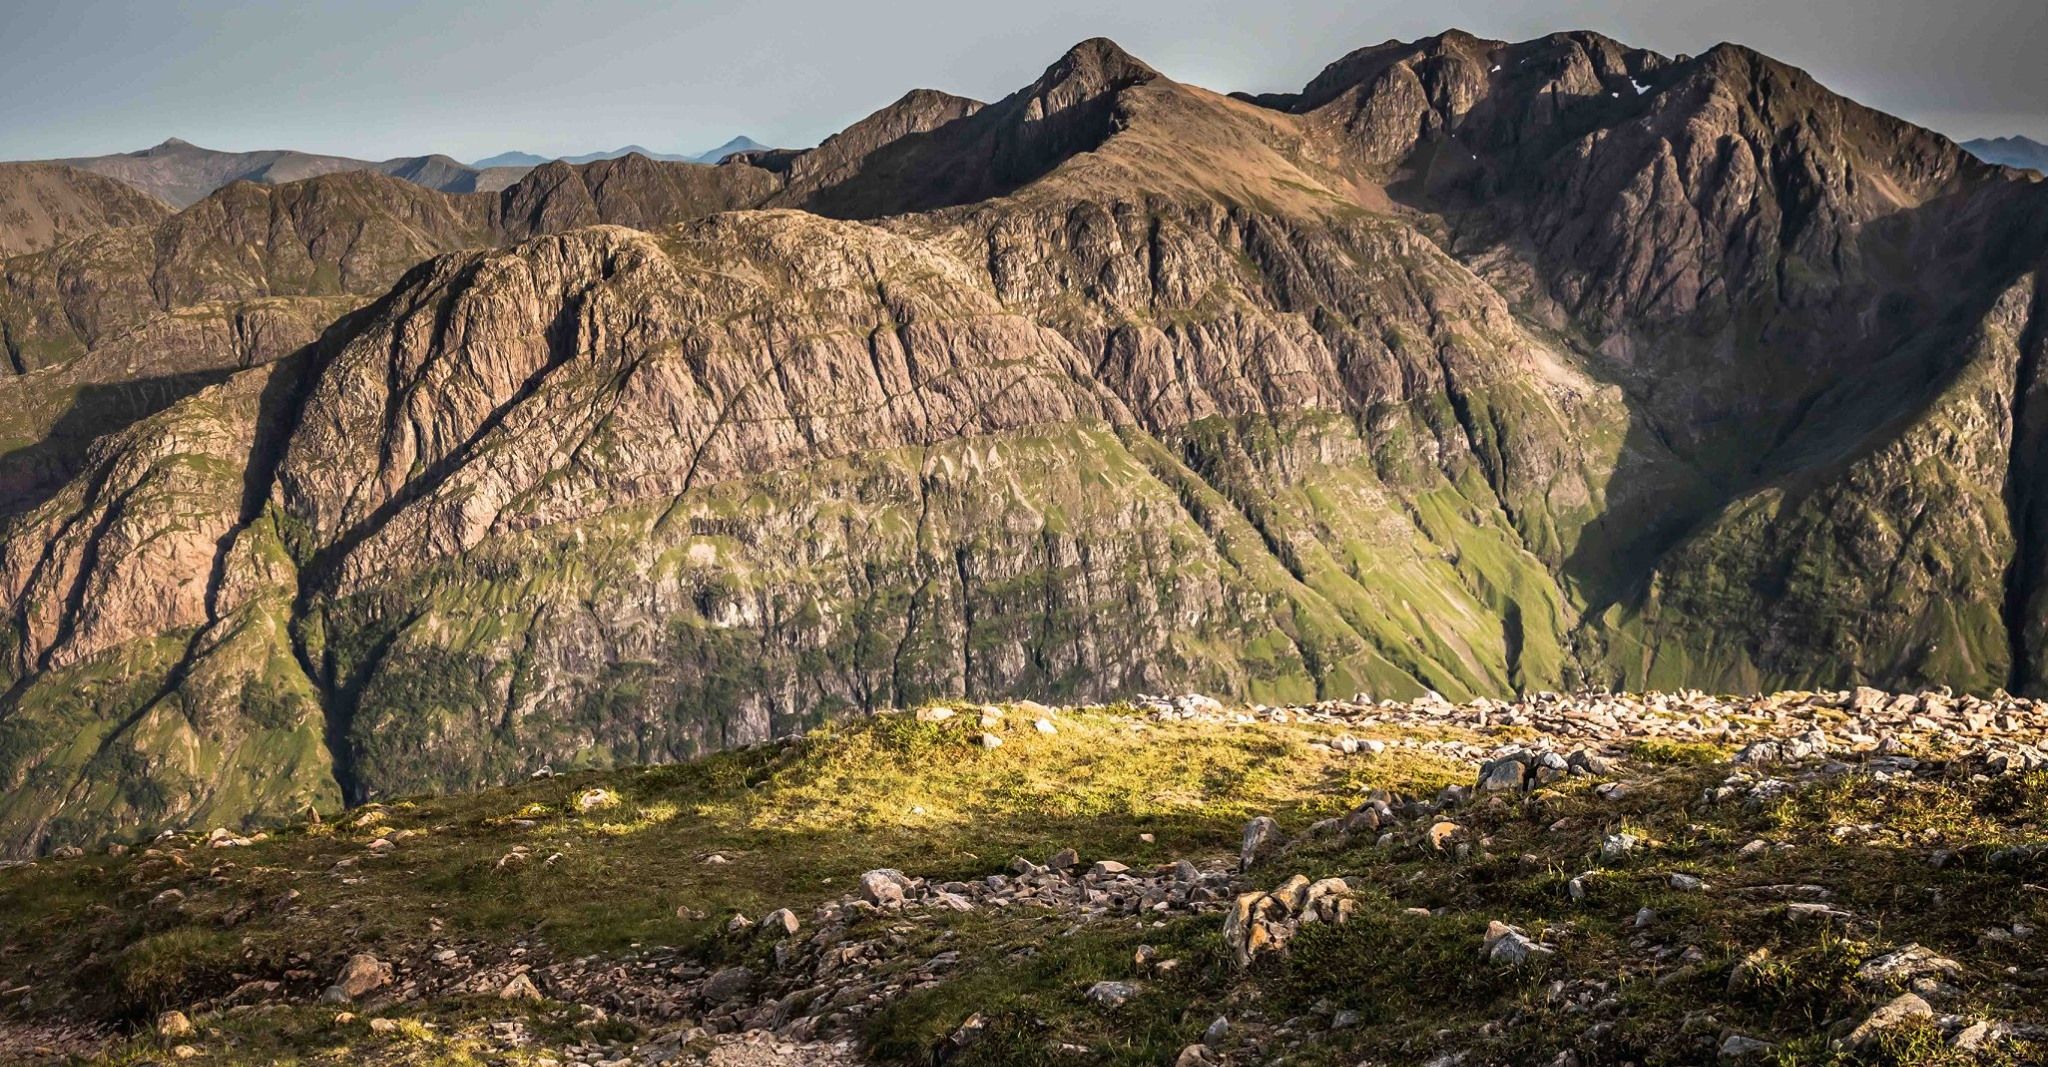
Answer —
628 150
735 146
181 173
2010 152
511 159
528 159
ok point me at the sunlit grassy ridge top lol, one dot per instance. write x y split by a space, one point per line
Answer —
795 822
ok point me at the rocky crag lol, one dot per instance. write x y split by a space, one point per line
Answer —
1474 368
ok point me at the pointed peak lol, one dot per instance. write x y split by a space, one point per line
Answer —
1099 63
1730 56
1457 38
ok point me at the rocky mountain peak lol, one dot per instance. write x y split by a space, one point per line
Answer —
1088 71
1098 64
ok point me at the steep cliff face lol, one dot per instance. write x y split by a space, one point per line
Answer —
1475 367
111 327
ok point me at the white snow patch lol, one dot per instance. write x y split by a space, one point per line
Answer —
1640 87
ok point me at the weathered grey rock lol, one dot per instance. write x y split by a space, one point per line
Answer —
1901 1009
1502 775
361 975
882 888
1112 994
728 984
1508 946
1906 964
1261 839
1743 1047
1619 846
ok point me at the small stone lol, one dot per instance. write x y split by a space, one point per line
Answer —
1980 1036
520 988
1111 994
1903 1008
596 800
1044 726
384 1026
1291 894
781 922
1194 1056
1502 775
1217 1032
1686 883
1063 860
1508 946
1261 838
1906 964
173 1024
934 714
728 984
1106 869
363 973
1618 846
1742 1047
989 740
883 888
185 1052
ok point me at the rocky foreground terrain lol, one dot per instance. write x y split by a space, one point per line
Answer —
1803 878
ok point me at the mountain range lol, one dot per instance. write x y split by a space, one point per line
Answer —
1473 367
716 155
2010 152
181 174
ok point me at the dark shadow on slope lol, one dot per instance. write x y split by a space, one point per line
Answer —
32 474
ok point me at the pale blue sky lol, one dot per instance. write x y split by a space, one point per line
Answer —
377 78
